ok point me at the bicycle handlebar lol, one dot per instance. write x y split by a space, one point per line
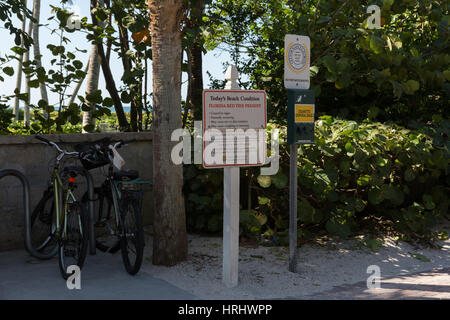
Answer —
42 139
51 143
121 143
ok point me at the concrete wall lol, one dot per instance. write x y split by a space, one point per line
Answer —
35 160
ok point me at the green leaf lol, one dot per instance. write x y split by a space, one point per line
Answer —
279 180
350 149
338 228
377 44
380 161
77 64
330 63
33 83
333 196
307 213
108 102
9 71
411 86
409 175
373 244
263 200
375 196
264 181
363 180
362 91
428 202
89 128
262 219
125 97
446 74
360 205
420 257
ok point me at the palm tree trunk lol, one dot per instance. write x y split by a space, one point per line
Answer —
93 76
26 59
37 51
170 240
16 110
92 81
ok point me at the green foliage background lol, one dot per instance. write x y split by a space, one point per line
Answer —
402 69
358 175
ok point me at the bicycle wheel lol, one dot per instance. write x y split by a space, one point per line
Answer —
132 236
43 227
74 242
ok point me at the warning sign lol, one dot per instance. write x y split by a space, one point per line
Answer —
304 113
234 128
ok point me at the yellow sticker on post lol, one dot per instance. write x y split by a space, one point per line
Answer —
304 113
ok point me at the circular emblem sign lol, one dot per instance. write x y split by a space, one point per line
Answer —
297 57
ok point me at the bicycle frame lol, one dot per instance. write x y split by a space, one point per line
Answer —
58 186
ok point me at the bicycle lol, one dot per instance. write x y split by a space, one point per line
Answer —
59 223
119 203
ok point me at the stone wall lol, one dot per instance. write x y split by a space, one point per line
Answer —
35 160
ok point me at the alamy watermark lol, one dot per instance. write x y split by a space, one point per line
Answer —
225 147
374 20
374 280
74 280
74 21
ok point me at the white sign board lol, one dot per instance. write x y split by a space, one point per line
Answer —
297 60
234 128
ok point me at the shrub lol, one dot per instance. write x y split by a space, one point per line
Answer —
356 173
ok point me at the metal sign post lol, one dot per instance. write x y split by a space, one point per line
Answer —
300 121
293 209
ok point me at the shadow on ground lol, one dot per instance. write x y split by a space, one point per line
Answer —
103 277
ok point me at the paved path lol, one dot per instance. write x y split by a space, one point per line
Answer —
433 284
103 277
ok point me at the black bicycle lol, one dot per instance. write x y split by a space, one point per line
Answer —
118 203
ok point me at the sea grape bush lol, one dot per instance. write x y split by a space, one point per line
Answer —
357 172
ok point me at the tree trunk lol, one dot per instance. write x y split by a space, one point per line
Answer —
195 90
127 66
195 61
170 240
37 51
91 86
92 80
16 109
109 79
26 58
79 84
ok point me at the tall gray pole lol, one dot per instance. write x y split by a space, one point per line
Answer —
293 210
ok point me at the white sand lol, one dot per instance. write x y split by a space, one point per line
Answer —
263 271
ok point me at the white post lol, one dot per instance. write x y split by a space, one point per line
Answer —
231 207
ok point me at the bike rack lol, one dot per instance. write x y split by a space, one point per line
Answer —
27 217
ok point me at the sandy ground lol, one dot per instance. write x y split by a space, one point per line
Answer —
263 271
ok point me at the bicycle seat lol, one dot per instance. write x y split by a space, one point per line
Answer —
126 175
